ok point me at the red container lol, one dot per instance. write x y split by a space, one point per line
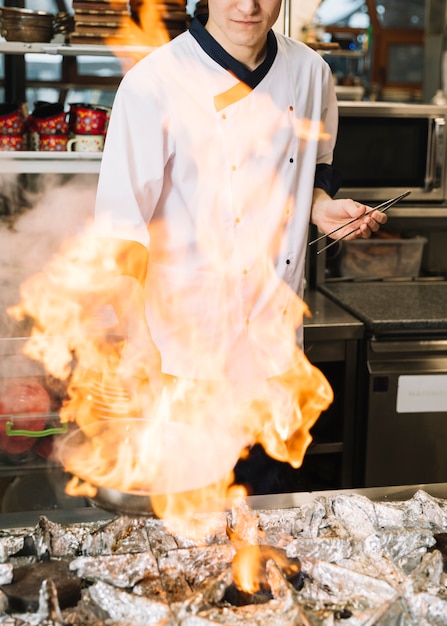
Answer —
24 405
53 143
48 119
85 119
12 121
11 142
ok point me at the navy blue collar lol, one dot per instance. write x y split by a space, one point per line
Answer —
221 56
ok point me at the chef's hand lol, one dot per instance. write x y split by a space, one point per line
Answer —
328 214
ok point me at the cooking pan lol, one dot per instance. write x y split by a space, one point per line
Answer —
129 461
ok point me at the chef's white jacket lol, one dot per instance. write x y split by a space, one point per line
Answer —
216 180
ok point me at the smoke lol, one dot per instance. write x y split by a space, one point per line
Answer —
37 214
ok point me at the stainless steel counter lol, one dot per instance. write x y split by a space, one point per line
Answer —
398 492
328 320
271 501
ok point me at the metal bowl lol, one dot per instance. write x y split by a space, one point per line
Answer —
26 25
171 458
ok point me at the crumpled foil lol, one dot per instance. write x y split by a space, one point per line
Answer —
364 563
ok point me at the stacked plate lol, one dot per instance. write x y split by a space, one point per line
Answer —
29 26
26 25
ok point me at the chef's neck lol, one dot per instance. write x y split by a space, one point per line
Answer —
251 53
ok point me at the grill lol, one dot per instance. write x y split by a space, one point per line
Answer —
364 562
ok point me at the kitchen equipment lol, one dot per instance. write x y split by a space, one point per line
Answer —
87 119
381 257
29 405
351 547
53 143
385 148
407 410
12 142
402 391
171 457
384 206
25 25
48 119
86 143
12 120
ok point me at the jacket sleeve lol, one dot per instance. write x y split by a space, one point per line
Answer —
133 161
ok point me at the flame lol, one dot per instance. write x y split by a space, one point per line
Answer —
246 568
144 28
251 555
249 566
218 421
182 446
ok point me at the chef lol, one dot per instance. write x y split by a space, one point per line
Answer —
218 156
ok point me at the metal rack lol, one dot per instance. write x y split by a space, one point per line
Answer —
50 162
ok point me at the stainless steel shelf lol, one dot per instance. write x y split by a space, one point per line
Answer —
50 162
66 49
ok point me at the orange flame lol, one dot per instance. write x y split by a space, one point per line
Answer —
145 27
220 420
78 340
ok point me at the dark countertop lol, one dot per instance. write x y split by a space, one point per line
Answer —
394 307
328 320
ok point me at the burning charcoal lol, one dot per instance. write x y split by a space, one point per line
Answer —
238 597
130 609
24 591
283 609
123 570
257 560
118 536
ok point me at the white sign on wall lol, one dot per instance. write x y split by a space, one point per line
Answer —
422 394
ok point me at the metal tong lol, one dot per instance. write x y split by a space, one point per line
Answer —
384 206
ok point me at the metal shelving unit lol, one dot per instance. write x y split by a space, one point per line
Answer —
66 49
50 162
59 162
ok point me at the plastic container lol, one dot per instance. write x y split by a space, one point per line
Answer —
382 258
29 410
